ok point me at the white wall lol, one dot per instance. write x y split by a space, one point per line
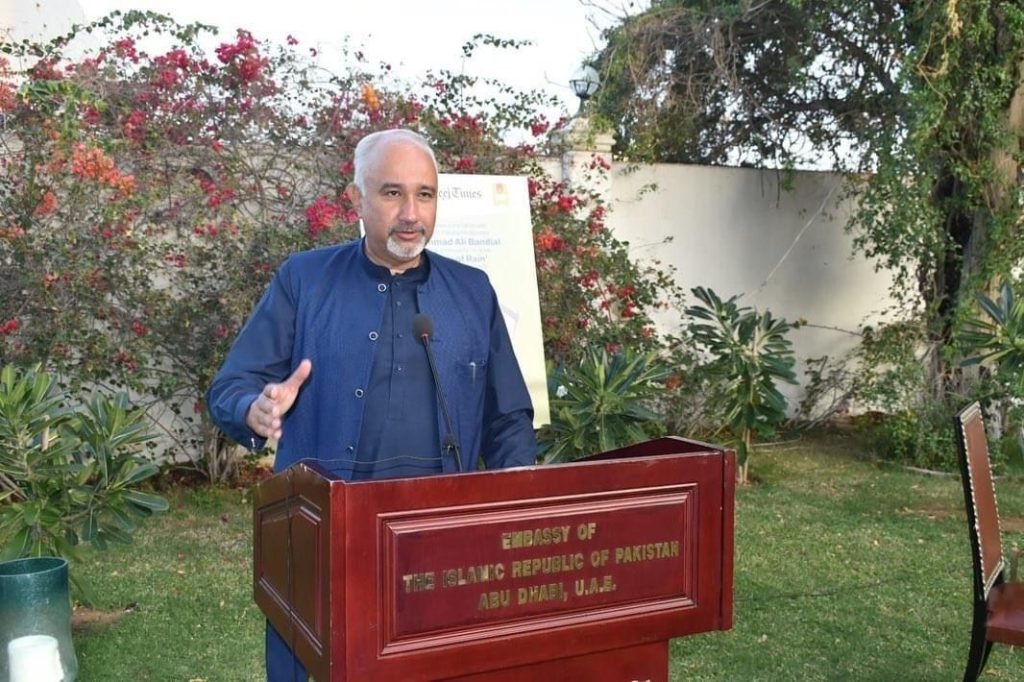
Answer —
738 231
38 20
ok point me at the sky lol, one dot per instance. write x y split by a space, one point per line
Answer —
415 36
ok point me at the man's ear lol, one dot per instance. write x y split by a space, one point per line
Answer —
355 196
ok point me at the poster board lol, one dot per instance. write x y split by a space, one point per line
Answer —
484 221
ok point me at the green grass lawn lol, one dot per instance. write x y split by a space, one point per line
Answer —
186 583
845 570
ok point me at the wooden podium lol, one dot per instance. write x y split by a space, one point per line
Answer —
579 571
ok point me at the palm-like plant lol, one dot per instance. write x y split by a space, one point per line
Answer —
602 404
749 353
69 473
1000 338
999 341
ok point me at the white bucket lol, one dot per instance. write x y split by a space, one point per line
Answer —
34 658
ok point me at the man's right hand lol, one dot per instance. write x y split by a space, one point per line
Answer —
267 411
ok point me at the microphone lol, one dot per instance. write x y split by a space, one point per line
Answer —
423 327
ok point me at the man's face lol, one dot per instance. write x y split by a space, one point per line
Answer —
399 206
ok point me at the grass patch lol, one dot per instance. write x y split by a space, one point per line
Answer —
849 570
846 569
185 590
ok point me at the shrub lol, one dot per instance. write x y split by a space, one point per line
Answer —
748 353
147 196
70 472
603 403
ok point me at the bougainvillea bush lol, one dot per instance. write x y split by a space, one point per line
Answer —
149 190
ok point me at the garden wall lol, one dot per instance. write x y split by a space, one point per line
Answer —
779 241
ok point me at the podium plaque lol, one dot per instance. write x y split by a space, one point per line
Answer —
580 571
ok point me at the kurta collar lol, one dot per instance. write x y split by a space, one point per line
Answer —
381 273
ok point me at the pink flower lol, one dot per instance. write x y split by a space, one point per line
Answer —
566 204
226 53
126 48
134 126
321 214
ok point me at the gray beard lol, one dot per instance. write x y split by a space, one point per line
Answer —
403 252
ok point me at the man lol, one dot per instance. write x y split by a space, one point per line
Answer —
333 367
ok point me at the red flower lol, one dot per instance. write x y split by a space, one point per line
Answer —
465 163
549 241
126 48
134 126
226 53
47 204
139 329
10 326
321 215
250 67
46 70
566 204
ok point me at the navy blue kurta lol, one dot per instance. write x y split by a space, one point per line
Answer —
328 305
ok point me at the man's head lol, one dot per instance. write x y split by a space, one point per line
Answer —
395 194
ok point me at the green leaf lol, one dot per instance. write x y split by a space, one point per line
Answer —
17 547
90 527
141 473
112 533
147 500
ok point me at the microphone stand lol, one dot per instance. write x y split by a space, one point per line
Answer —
423 327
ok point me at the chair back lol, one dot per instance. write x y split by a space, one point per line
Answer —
980 499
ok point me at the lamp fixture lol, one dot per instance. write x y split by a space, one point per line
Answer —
584 83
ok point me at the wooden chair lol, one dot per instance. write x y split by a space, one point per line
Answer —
998 604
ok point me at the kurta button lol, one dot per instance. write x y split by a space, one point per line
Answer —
382 287
359 393
374 336
351 448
